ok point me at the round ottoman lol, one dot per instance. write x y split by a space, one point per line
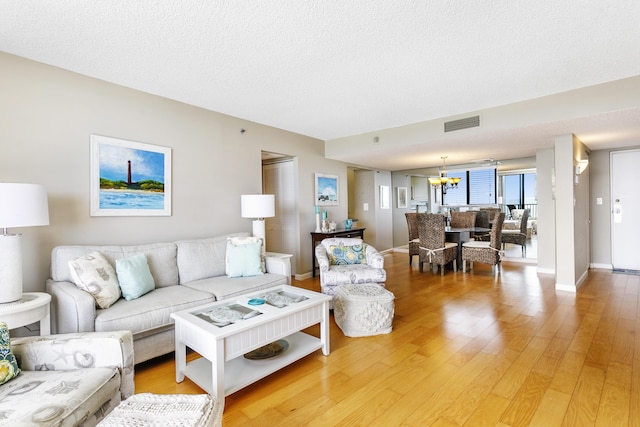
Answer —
363 309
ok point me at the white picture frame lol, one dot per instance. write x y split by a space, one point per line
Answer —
326 190
129 178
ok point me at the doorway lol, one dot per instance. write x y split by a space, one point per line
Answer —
279 174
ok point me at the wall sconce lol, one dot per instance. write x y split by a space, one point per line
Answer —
442 180
580 167
258 206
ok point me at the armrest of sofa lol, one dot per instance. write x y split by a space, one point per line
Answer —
374 258
323 259
72 309
279 264
78 351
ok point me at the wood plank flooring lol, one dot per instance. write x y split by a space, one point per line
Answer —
466 350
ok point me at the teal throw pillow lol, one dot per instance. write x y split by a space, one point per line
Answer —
8 364
244 260
346 255
134 276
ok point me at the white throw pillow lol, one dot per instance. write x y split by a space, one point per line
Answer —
244 240
93 273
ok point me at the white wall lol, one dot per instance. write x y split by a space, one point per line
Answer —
47 115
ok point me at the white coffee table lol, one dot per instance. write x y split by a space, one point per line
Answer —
223 369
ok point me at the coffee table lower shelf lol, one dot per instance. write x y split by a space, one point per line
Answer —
241 372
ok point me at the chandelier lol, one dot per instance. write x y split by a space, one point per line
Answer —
443 181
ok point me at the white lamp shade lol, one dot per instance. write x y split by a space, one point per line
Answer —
258 205
23 205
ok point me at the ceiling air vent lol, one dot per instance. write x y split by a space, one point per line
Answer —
468 122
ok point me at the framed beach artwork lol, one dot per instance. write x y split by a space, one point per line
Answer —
326 190
129 178
402 197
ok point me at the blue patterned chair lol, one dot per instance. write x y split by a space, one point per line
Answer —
345 261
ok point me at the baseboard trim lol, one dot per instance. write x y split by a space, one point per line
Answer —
603 266
542 270
303 276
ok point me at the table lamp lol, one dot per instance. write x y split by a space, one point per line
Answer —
21 205
258 206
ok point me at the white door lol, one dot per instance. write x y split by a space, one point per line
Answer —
280 231
625 210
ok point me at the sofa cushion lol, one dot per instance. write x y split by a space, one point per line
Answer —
150 312
160 256
60 398
92 273
134 276
227 287
202 258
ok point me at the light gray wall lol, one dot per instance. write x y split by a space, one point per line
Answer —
400 228
384 217
599 178
47 115
546 212
571 215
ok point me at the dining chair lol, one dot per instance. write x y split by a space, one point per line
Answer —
485 252
463 219
433 248
483 221
492 211
414 238
517 237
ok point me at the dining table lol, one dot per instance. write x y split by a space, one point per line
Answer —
461 235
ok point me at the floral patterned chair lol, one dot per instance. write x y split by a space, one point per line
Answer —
345 261
64 380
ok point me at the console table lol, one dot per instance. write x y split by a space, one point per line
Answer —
317 237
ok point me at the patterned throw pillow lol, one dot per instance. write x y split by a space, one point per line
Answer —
346 255
94 274
8 365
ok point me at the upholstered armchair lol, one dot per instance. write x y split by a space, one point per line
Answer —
344 261
68 379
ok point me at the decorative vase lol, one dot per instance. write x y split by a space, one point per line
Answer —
348 223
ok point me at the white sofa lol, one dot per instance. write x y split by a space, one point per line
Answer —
186 273
68 380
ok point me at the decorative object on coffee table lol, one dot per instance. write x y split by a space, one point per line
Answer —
268 351
363 310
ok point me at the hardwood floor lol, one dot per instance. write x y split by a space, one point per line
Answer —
466 350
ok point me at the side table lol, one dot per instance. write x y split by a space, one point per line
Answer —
31 308
279 263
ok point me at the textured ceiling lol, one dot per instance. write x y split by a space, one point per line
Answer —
331 69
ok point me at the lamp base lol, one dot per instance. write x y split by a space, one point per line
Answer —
259 231
10 268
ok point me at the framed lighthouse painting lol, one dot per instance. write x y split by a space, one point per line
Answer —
129 178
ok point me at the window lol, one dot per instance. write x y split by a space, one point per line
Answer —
482 186
519 191
477 186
